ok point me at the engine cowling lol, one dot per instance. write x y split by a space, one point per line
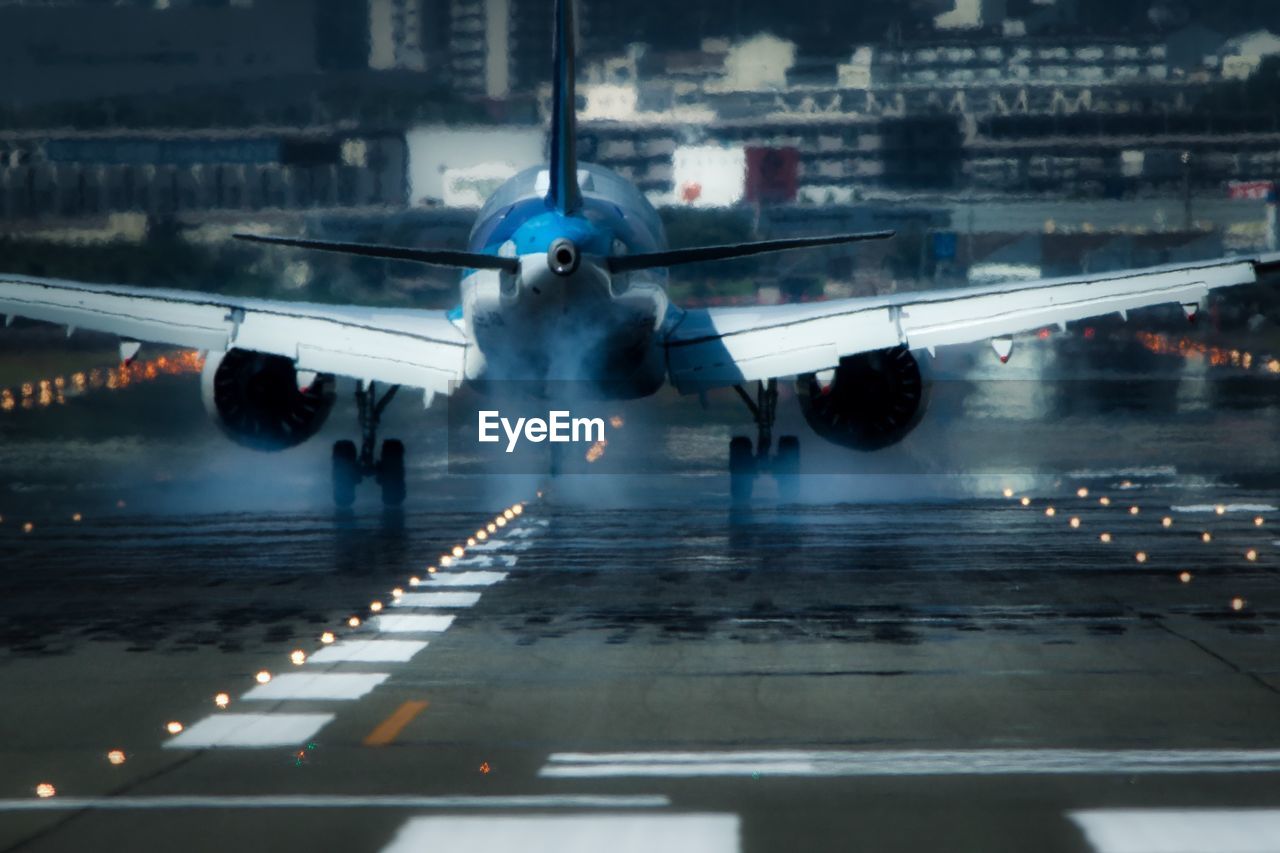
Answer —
872 400
255 399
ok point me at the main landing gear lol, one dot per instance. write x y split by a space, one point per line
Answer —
745 461
350 467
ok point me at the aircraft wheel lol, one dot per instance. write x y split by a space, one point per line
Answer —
786 468
742 468
391 472
346 473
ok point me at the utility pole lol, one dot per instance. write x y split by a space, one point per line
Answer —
1186 191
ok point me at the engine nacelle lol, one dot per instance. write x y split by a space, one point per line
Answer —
872 400
255 399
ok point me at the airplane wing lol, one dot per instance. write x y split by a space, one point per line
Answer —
421 349
716 347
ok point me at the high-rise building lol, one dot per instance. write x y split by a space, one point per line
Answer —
395 35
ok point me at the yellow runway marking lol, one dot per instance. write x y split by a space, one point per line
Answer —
390 728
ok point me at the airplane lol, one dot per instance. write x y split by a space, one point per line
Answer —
564 279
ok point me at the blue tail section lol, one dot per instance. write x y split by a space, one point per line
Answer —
563 194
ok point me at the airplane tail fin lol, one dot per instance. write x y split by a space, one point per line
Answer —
563 193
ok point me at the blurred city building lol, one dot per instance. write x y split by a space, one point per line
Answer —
977 117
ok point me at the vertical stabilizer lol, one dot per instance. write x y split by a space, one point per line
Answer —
563 194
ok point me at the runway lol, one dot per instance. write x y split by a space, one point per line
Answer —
1000 654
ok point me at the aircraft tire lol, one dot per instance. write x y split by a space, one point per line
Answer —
742 469
346 473
391 472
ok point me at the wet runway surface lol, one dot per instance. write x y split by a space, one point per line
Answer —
910 659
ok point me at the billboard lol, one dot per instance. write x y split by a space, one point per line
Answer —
772 175
709 175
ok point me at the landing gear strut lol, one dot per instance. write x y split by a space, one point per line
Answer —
350 467
745 462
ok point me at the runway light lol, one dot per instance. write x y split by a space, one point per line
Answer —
1237 603
28 527
431 570
1105 501
517 508
116 756
1206 537
491 528
1008 492
262 677
1127 484
45 790
1082 492
1050 511
222 700
457 551
397 592
481 535
1258 522
1220 509
1075 522
1167 521
1141 556
539 494
77 517
1185 577
375 606
297 657
1105 537
471 542
1133 510
327 637
414 581
353 622
508 514
173 727
484 767
446 561
500 521
1251 555
1025 501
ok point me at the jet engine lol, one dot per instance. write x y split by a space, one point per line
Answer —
872 400
259 401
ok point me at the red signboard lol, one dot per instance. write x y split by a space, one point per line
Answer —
1250 189
772 175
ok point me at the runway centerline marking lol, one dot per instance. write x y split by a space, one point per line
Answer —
1180 830
586 833
323 801
369 651
414 623
387 731
984 762
250 731
318 685
466 579
437 599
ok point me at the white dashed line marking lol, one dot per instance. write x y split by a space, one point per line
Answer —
414 624
979 762
484 561
250 730
467 579
369 651
1181 830
329 801
1225 507
437 599
586 833
318 685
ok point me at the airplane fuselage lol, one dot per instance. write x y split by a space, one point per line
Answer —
563 317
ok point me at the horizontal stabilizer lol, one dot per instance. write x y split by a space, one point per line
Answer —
675 257
436 257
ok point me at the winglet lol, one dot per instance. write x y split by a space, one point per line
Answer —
563 194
